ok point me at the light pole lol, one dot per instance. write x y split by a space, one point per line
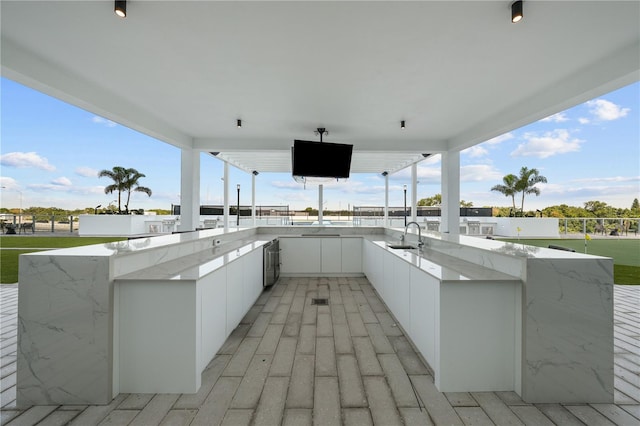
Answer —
405 204
238 211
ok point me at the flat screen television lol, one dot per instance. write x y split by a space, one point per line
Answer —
320 159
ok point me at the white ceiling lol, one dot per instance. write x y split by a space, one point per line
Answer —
458 72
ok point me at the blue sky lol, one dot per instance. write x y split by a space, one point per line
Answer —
51 152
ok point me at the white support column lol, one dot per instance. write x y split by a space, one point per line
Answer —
189 189
414 192
386 199
320 191
450 192
253 198
226 196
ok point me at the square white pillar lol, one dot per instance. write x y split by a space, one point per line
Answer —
189 189
450 193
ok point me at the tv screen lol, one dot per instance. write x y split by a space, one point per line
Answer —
321 159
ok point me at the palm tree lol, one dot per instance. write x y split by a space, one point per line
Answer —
527 181
118 175
509 189
124 180
131 184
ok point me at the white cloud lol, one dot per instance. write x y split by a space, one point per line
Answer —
9 184
86 171
606 110
57 187
426 174
479 172
551 143
99 120
24 160
583 120
613 179
475 151
62 181
499 139
556 118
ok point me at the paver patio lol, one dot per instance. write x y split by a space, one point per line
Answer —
293 363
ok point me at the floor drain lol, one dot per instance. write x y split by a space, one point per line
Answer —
319 301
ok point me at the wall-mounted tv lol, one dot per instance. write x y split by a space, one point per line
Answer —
320 159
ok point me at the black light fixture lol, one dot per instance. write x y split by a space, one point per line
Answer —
120 8
405 205
516 11
402 124
238 211
239 123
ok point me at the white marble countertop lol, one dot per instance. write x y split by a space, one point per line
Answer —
196 266
441 266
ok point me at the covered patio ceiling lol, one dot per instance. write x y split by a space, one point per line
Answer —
457 72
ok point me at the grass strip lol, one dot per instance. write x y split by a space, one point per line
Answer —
625 254
9 265
53 242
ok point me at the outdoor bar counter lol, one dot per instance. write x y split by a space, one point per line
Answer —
485 315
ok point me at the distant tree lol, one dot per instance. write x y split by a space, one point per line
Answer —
131 183
635 205
124 180
527 181
601 209
464 203
436 200
118 175
509 188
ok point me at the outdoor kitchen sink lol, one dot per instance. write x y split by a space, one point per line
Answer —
401 247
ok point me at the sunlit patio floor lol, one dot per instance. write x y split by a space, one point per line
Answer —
293 363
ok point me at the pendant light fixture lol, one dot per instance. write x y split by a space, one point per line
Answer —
516 11
238 123
120 8
402 124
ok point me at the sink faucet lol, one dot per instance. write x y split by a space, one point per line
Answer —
420 243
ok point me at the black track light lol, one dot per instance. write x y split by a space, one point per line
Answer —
516 11
402 124
120 8
239 123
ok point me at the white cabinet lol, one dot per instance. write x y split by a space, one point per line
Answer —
300 255
401 294
373 264
252 283
425 291
351 255
235 277
214 314
316 255
331 255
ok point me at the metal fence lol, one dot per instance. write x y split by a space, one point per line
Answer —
41 224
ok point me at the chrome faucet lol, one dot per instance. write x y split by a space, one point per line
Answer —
420 243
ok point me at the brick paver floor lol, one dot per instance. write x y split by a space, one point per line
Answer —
291 362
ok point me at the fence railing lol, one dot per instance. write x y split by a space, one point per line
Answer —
31 224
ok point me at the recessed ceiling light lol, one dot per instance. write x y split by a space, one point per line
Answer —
516 11
120 8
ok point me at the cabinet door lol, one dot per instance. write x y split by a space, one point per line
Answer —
401 295
235 305
424 312
300 255
386 285
331 255
252 278
213 296
352 255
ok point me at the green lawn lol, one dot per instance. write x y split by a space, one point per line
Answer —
625 254
9 258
